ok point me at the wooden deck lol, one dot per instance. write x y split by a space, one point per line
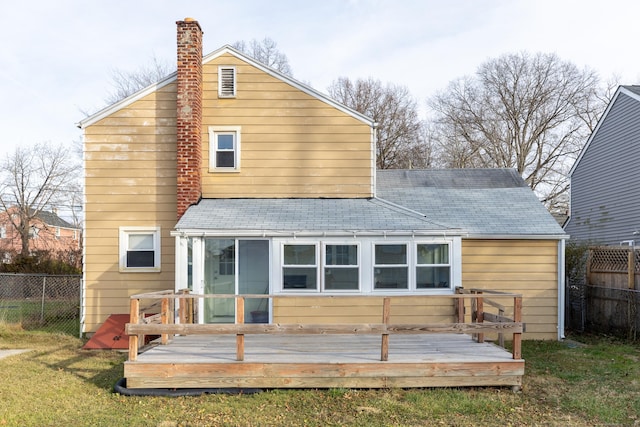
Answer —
313 361
324 356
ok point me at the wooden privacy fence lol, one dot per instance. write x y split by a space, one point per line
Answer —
481 321
614 267
609 299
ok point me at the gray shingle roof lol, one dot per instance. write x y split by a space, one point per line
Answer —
480 201
331 215
52 219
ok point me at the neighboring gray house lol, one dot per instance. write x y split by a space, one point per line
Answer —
605 180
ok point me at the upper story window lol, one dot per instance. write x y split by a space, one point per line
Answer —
226 82
3 232
140 249
34 232
224 148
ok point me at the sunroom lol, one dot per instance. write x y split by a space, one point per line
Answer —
309 247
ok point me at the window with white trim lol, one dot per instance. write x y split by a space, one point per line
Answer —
341 267
34 232
391 268
224 148
300 267
226 82
433 268
3 232
140 249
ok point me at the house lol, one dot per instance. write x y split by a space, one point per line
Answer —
604 179
47 232
230 178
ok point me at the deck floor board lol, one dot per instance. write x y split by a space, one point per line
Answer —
325 349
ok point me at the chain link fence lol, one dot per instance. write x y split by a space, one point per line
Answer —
41 302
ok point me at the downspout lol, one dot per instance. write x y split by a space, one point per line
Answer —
374 159
561 288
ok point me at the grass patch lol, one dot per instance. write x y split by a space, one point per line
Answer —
52 316
595 383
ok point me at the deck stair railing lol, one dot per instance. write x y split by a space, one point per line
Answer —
479 323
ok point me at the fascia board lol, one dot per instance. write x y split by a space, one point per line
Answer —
107 111
293 82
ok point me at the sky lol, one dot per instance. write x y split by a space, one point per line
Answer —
57 58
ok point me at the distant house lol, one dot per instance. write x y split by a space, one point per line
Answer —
605 180
231 178
47 232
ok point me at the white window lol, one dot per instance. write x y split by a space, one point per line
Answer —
140 249
224 148
34 232
341 267
226 82
300 267
57 232
433 268
391 268
3 232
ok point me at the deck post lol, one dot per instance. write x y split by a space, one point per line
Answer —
164 318
501 335
480 315
517 337
386 312
631 267
134 316
459 308
240 321
184 304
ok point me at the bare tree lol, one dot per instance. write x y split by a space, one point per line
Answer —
528 112
266 52
400 134
126 83
35 179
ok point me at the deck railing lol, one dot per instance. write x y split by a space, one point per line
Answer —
162 321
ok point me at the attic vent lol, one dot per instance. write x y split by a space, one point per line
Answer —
227 82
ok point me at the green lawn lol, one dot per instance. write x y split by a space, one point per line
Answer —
594 383
54 316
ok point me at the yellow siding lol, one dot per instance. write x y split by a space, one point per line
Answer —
292 144
130 180
529 267
526 267
421 309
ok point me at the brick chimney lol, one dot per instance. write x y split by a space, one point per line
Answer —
189 114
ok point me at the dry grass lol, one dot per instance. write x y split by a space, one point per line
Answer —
597 383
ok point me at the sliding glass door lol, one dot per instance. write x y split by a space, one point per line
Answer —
233 267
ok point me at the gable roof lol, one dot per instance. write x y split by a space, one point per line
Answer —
52 219
483 202
107 111
632 91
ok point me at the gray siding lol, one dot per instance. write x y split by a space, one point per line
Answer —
605 185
